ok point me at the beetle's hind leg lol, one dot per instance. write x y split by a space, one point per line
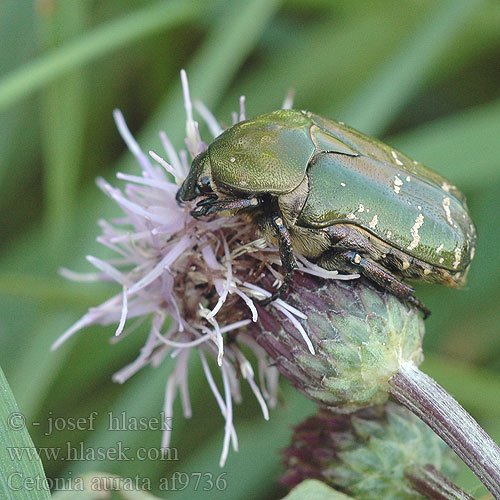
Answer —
381 277
287 259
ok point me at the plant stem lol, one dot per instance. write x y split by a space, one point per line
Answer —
448 419
430 483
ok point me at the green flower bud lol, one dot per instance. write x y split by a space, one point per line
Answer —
368 454
360 335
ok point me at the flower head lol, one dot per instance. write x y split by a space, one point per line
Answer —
370 454
361 336
197 281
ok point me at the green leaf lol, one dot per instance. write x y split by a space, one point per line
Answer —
21 471
312 489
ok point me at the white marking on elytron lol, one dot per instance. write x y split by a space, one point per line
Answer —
405 265
419 207
472 252
441 260
409 202
414 232
342 184
415 162
458 253
439 249
389 234
367 210
446 206
361 208
351 216
397 184
373 223
244 183
395 156
446 187
342 123
232 159
408 178
357 258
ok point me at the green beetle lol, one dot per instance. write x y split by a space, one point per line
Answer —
340 198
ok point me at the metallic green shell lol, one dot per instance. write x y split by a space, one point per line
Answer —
368 146
268 154
384 192
353 179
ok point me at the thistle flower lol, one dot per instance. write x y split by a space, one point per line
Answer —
202 274
379 452
360 334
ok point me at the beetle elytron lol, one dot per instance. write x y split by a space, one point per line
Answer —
340 198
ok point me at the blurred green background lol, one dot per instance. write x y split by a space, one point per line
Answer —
424 75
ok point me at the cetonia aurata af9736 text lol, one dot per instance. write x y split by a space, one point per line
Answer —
340 198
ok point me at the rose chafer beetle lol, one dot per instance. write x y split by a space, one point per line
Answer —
340 198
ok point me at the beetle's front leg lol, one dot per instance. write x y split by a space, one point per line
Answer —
287 259
384 279
212 205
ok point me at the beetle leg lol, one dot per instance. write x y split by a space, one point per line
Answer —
384 279
287 259
212 205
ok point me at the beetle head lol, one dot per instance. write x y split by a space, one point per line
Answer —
197 183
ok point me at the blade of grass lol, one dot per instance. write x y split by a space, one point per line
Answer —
374 106
20 465
97 43
463 147
63 120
